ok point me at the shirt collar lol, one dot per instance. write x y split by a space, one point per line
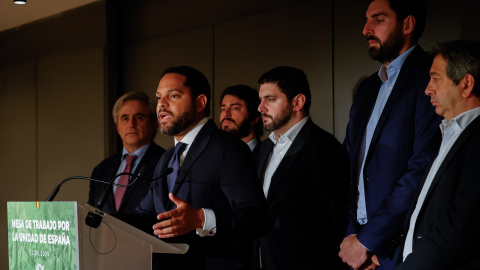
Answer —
252 143
291 133
398 62
188 139
139 153
462 120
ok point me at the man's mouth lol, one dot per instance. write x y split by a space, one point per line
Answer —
372 40
228 120
164 116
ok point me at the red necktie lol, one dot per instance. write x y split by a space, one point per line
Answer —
123 180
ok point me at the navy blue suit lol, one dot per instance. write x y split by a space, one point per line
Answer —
447 231
217 173
404 142
307 199
134 194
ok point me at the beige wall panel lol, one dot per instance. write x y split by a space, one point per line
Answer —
146 61
71 124
297 35
351 61
17 143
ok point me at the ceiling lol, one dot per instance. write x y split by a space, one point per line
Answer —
13 15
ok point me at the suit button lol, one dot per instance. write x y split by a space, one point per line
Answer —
368 178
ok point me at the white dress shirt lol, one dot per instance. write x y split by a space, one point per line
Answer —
279 150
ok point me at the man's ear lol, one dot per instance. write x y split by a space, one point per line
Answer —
408 25
466 85
200 103
298 102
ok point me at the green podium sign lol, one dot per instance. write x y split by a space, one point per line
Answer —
42 235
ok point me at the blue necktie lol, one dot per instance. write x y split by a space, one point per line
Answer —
174 163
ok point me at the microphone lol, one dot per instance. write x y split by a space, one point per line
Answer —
57 188
54 192
94 219
107 189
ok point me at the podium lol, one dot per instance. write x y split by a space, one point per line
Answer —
117 245
34 244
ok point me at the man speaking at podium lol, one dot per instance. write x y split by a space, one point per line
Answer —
135 117
212 200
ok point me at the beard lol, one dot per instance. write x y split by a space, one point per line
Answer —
390 49
180 124
241 131
280 121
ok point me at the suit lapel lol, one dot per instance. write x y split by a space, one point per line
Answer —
469 131
198 146
263 157
397 91
413 205
289 159
367 104
392 100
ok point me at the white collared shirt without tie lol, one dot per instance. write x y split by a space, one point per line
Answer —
280 148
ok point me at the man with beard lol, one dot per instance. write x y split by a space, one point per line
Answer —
212 200
302 182
239 115
392 134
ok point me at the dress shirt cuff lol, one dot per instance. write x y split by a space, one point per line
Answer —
210 225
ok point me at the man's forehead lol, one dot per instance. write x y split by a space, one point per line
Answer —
378 8
172 80
232 100
269 89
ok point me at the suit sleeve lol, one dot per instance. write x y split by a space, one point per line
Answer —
147 205
457 226
347 158
249 212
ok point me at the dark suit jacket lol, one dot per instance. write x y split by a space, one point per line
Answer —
404 142
255 150
134 194
307 200
447 231
218 173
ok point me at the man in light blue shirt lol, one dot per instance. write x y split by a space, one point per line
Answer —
443 221
391 135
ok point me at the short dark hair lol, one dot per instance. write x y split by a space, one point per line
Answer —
195 80
291 81
417 8
462 57
250 96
